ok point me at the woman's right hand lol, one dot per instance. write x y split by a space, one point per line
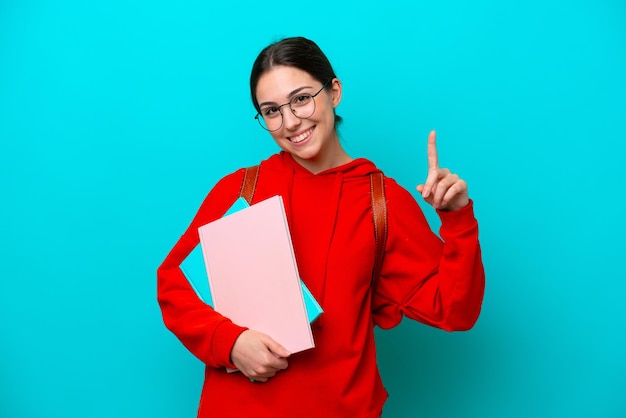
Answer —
258 356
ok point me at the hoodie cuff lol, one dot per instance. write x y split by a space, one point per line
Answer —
459 219
224 338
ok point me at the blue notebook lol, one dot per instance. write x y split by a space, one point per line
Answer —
194 269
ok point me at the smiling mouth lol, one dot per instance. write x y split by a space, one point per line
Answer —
304 135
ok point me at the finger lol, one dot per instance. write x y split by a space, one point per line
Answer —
279 363
433 158
433 164
420 189
277 355
263 374
458 188
276 348
431 182
442 186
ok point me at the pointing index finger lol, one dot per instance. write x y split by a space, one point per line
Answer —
433 161
433 165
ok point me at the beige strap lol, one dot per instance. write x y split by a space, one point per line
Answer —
379 212
248 185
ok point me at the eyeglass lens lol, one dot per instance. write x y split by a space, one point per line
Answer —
302 106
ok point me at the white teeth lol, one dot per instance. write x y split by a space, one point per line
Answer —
300 137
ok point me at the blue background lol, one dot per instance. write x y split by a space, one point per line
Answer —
116 118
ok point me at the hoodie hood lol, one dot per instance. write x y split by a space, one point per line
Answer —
356 168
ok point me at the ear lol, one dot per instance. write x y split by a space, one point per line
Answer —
336 91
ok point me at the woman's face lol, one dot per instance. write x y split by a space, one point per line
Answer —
313 141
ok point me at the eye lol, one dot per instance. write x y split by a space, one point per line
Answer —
270 112
301 100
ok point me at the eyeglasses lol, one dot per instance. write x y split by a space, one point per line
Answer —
302 106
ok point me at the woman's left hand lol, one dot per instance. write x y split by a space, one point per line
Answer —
442 189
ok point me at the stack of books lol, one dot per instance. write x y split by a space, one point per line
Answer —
245 268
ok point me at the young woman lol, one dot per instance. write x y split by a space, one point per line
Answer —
328 203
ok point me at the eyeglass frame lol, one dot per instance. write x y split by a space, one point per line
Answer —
282 116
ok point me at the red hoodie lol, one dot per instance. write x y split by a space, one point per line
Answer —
330 218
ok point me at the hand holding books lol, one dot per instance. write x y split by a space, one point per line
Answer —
258 356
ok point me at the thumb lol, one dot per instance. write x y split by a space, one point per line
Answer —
276 348
420 188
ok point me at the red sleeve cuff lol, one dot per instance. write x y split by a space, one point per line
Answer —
224 338
459 219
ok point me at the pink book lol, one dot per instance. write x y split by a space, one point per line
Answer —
253 275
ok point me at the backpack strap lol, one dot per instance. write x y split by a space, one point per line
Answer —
248 185
379 213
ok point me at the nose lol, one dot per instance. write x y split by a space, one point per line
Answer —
290 120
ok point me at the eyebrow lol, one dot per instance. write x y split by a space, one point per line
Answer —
289 96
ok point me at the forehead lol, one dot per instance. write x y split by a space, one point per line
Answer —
277 83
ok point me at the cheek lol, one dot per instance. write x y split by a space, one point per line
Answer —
325 111
277 137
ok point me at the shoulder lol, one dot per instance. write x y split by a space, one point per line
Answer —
394 191
401 202
230 183
233 180
275 163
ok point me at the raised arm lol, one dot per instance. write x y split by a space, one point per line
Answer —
437 281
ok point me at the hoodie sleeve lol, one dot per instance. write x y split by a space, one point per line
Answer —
439 282
206 334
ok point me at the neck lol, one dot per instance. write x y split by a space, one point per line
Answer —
331 157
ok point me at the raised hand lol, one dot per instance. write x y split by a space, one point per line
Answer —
258 356
442 189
